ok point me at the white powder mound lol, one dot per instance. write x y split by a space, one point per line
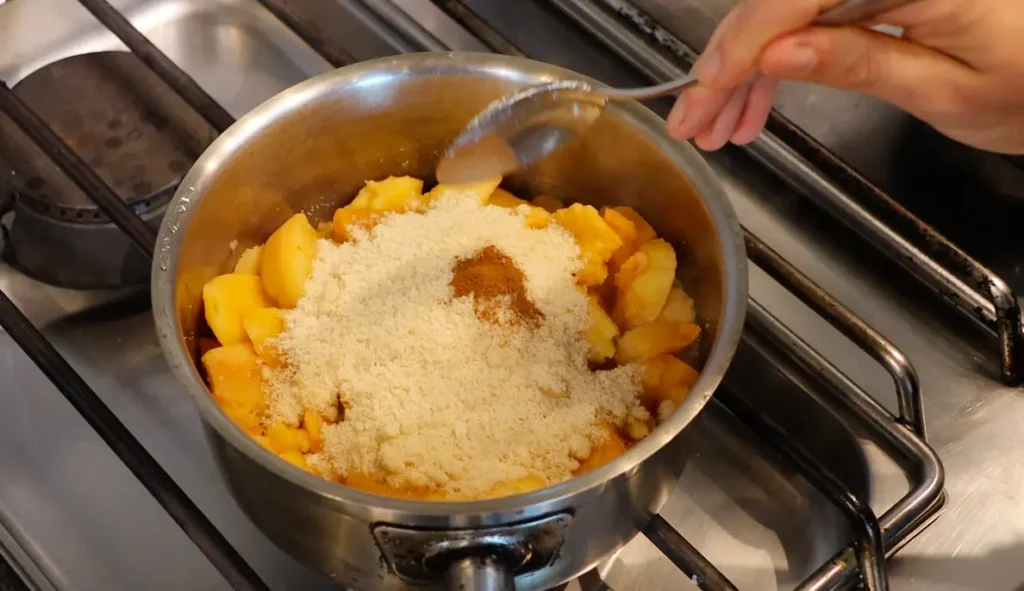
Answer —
432 395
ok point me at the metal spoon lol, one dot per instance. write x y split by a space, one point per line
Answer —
519 129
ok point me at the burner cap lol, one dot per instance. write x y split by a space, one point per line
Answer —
133 130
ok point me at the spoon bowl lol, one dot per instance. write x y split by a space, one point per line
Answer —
516 130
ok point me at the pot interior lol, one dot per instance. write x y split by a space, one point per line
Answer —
312 148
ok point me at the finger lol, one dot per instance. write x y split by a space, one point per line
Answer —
698 109
919 80
745 31
755 115
721 129
675 116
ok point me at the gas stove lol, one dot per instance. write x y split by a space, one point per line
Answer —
810 469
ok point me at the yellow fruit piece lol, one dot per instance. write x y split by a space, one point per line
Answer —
593 273
313 424
262 440
549 203
227 299
288 260
391 194
481 190
262 324
538 218
250 261
595 237
678 306
610 448
644 232
601 333
234 375
503 198
626 230
298 460
667 378
348 218
284 438
367 483
517 486
643 284
653 339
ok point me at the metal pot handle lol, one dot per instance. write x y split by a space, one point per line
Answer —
472 559
479 573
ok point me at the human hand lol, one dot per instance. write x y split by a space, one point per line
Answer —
959 66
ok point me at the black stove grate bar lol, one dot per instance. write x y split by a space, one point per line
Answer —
309 32
955 277
685 556
78 170
908 387
128 449
160 64
869 548
473 23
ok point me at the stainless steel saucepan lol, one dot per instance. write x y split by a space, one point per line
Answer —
310 149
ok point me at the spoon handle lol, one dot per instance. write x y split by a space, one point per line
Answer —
648 92
847 12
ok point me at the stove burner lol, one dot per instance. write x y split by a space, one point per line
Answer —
133 130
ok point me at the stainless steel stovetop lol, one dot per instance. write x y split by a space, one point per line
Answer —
73 517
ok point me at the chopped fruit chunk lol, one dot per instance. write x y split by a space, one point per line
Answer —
227 299
391 194
250 261
607 450
348 218
626 231
678 306
288 260
594 235
664 373
298 460
601 333
654 339
313 424
284 438
262 324
643 284
503 198
538 218
518 486
234 375
482 190
644 232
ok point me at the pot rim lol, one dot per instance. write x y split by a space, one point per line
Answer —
379 71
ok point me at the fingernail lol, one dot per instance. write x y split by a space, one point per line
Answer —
800 60
707 66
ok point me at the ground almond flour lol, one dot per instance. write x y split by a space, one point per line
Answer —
435 393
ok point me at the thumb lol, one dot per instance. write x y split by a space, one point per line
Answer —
917 79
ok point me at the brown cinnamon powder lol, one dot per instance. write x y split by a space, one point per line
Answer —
492 279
